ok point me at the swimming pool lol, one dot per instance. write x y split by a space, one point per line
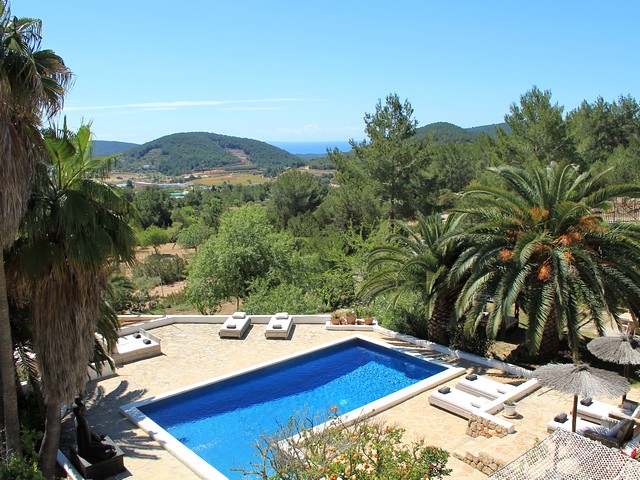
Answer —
210 426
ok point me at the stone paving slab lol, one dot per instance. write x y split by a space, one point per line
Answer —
193 353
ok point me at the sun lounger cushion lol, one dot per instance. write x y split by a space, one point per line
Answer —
444 389
560 418
239 315
231 325
586 401
471 376
282 315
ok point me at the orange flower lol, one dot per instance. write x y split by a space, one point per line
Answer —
570 238
505 255
544 273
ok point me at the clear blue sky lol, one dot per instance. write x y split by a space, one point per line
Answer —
308 70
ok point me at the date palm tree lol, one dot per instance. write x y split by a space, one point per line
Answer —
541 244
32 85
418 259
75 228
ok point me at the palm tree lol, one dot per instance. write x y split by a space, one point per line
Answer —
418 260
542 245
32 84
75 227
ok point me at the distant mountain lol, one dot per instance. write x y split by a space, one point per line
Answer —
182 153
102 148
448 132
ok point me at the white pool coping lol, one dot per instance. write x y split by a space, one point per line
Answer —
204 470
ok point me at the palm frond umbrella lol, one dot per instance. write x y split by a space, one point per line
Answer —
623 349
581 379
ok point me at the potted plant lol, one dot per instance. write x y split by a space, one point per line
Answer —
351 317
509 407
335 318
363 314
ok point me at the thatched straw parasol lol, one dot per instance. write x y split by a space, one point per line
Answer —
623 349
581 379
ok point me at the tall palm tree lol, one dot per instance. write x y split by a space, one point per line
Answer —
541 244
418 260
32 84
75 227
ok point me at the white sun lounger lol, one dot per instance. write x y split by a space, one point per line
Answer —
595 411
279 326
456 401
235 326
483 386
581 425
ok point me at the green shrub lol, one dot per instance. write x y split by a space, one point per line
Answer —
365 450
477 343
26 467
282 298
408 316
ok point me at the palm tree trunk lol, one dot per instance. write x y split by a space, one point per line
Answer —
438 327
550 343
49 449
8 373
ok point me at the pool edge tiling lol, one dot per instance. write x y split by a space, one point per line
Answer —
205 470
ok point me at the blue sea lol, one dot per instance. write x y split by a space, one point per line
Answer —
301 148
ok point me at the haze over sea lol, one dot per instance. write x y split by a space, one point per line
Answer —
300 148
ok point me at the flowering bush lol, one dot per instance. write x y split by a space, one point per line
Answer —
365 450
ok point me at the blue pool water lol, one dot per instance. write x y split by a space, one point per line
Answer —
220 421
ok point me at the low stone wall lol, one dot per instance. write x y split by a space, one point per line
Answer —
483 426
483 462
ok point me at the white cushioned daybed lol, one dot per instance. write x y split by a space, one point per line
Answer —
456 401
482 386
596 411
235 326
279 326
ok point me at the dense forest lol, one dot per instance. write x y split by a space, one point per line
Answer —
182 153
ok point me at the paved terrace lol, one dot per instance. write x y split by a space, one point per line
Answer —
194 352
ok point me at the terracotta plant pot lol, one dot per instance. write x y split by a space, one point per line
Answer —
351 320
335 321
368 321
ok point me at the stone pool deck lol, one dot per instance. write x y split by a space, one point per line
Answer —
193 353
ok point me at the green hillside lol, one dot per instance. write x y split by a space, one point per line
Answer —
102 148
182 153
448 132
